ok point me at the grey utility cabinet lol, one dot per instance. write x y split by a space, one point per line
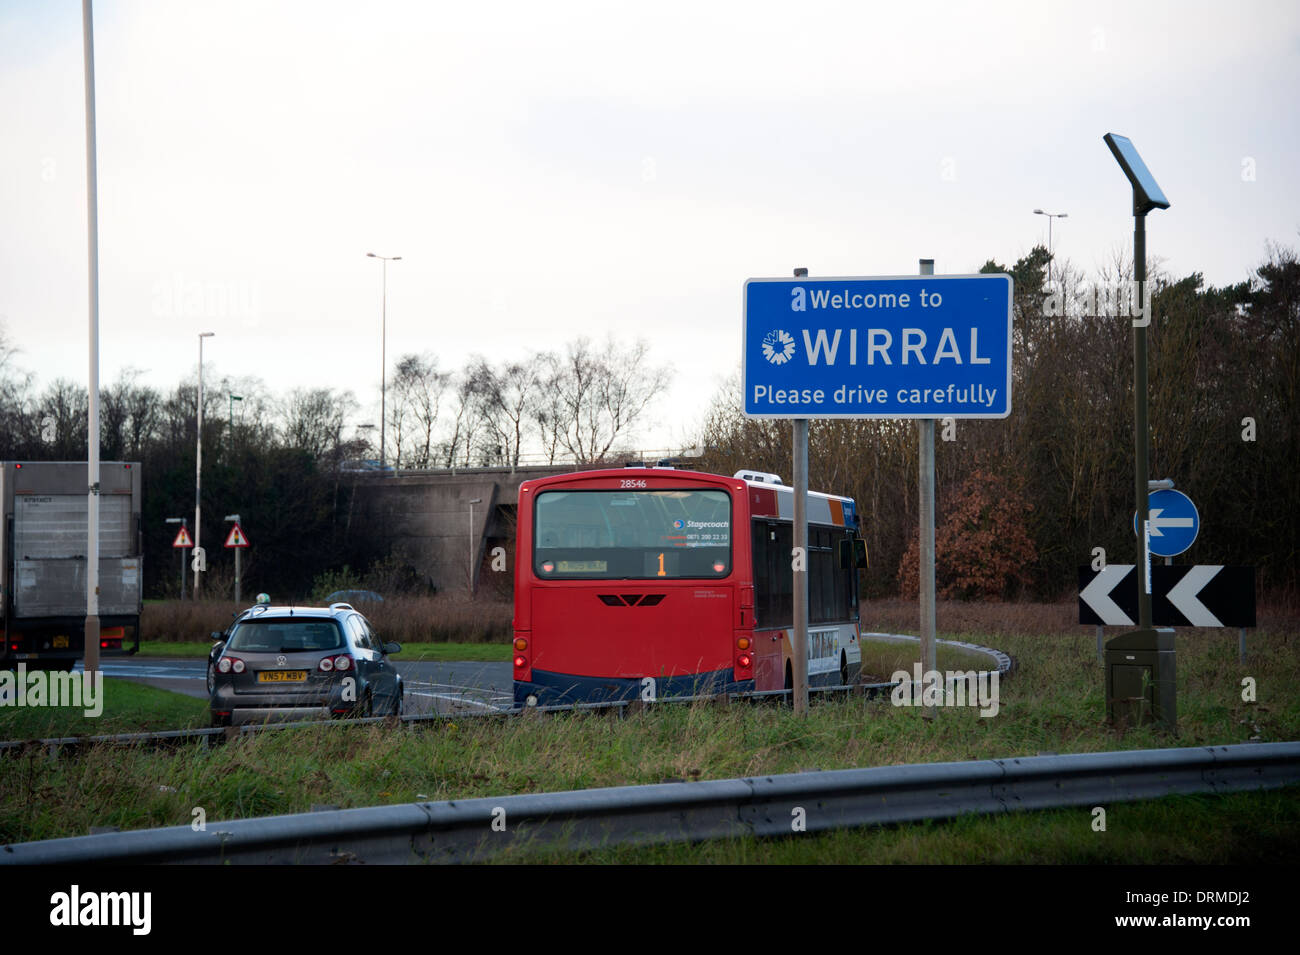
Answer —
1140 680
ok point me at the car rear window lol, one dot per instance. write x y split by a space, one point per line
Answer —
286 636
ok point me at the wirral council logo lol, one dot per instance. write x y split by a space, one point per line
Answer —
778 346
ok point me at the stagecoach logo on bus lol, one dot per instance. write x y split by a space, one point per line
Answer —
906 347
52 688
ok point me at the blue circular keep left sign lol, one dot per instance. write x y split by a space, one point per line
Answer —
1174 522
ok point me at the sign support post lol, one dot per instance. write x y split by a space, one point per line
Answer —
799 558
929 660
237 541
235 518
181 543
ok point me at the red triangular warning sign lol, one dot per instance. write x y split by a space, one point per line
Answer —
183 538
236 537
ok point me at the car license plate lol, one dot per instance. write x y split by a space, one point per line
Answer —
60 642
282 676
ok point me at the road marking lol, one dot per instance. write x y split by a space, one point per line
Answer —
460 700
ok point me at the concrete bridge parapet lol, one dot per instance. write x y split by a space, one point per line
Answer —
426 519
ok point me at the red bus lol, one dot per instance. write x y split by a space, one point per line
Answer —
654 582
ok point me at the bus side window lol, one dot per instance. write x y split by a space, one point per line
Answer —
762 575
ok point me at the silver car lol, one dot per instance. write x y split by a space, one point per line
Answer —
301 662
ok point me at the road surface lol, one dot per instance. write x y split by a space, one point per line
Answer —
430 687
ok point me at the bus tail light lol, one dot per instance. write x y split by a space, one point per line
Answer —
743 657
523 662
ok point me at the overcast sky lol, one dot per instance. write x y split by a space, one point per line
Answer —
548 170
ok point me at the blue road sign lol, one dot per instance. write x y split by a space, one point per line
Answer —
918 346
1174 522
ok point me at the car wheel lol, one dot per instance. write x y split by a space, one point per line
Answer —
397 703
212 678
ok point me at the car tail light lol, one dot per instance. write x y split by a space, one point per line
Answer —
343 662
521 644
237 665
326 665
521 661
223 665
743 643
744 661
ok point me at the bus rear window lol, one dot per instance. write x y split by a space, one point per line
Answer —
632 534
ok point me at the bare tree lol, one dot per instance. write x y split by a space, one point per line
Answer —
418 387
466 422
62 413
18 432
314 419
603 394
548 411
129 416
508 398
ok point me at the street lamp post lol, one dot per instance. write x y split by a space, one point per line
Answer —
91 634
383 354
1147 195
1050 217
198 474
477 500
233 399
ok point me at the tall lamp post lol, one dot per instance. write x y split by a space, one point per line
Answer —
1147 195
477 500
91 634
199 563
1050 217
233 399
383 353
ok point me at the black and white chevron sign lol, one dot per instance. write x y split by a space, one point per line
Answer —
1197 595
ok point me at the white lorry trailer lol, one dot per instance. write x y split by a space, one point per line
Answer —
43 550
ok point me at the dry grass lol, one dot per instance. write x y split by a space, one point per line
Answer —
896 615
487 619
404 619
443 618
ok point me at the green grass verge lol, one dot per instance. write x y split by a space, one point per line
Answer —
1053 703
127 708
